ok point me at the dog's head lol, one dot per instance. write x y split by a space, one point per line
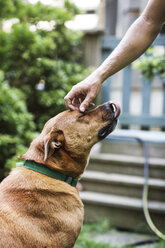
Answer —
67 138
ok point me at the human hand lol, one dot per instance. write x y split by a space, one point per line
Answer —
82 94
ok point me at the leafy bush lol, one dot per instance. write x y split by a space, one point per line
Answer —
151 64
43 63
161 244
40 66
89 230
16 125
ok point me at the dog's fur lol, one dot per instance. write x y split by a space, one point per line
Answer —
37 211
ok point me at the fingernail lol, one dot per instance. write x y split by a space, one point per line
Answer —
82 109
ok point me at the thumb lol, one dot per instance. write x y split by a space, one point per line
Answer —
85 104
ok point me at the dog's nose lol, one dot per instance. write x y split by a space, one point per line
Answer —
115 108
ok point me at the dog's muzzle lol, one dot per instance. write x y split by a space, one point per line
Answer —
113 111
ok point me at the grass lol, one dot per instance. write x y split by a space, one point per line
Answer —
90 230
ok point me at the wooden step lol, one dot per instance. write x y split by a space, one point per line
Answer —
113 180
125 185
122 211
126 142
124 164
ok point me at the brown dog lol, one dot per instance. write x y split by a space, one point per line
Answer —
37 210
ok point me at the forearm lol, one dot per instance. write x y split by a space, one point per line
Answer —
137 39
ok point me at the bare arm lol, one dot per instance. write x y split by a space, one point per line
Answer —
136 40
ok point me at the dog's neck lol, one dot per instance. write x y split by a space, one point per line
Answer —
61 160
67 163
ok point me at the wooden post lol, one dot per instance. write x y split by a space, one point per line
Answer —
163 81
146 98
126 92
110 16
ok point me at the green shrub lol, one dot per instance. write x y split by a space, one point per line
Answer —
16 125
40 66
161 244
151 64
44 64
89 231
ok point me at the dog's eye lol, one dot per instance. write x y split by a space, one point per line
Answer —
84 114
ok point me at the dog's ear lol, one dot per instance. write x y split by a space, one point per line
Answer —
54 140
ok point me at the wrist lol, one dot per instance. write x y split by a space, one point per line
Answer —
102 72
98 76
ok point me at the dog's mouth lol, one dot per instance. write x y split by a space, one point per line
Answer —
112 111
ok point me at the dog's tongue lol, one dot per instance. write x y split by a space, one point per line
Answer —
116 108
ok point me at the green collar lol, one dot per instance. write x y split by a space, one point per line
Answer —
49 172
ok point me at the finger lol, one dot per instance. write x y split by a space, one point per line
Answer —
92 104
85 104
76 103
71 98
68 102
81 98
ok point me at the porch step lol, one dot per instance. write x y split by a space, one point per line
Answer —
148 136
126 142
126 164
124 212
114 179
125 185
